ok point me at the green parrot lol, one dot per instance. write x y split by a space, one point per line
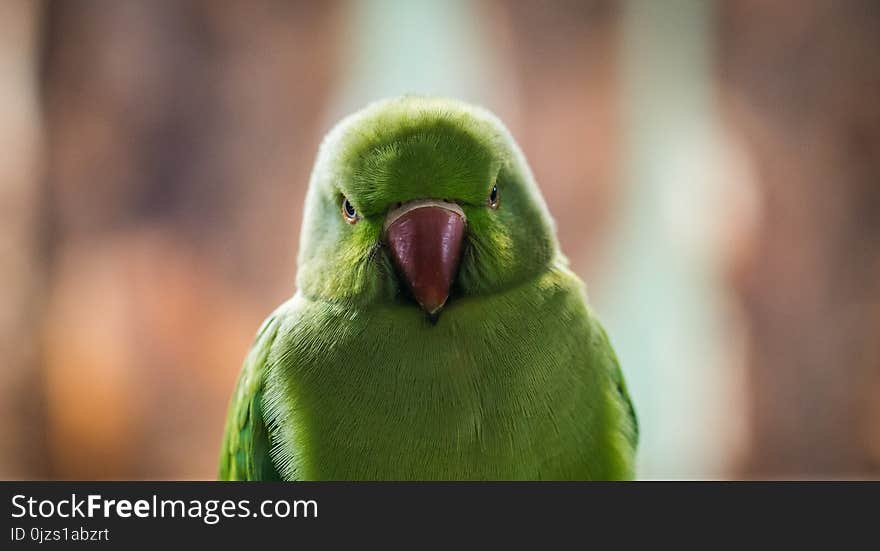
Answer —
437 332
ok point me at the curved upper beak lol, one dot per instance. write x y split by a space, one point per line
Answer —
424 238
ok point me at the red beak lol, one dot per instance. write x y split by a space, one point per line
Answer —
424 239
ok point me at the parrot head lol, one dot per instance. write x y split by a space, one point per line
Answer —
420 202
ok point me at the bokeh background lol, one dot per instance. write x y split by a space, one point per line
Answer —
713 167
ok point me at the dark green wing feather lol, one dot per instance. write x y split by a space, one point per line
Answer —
631 432
246 443
617 377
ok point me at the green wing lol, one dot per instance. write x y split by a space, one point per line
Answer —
246 443
625 436
630 428
632 432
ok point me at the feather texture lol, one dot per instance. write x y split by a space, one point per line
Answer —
350 380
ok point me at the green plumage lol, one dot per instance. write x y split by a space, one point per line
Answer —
350 380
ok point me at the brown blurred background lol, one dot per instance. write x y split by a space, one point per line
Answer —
714 169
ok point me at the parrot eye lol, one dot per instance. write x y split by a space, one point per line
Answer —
493 197
348 211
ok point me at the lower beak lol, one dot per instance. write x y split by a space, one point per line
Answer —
424 238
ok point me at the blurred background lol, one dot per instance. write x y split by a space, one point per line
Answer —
713 167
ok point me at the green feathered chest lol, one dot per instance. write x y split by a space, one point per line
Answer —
517 385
